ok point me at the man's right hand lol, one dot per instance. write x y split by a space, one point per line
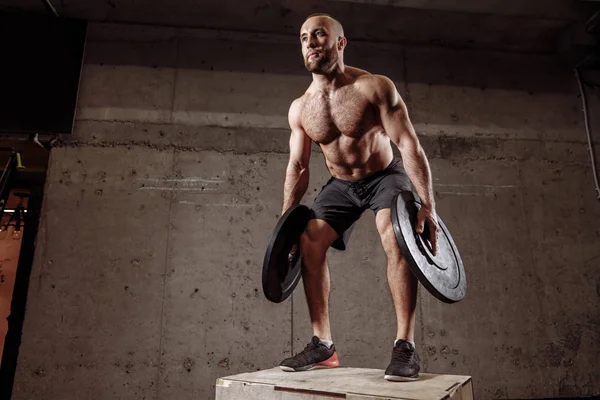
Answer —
427 215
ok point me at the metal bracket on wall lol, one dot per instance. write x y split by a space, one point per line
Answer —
49 7
587 130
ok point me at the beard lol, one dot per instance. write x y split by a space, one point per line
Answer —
325 60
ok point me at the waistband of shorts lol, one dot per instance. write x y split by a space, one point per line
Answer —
374 175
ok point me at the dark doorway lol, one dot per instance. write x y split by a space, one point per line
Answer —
22 191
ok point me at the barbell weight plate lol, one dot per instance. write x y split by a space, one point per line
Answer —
281 274
443 275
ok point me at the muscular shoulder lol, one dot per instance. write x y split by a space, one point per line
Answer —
295 112
379 89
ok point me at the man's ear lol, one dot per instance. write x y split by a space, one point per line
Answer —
342 42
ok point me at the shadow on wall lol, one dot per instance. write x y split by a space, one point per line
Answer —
119 45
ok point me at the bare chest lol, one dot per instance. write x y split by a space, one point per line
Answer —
326 117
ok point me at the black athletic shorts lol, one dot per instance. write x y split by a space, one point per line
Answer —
341 203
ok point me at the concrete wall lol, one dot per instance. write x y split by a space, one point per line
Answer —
157 212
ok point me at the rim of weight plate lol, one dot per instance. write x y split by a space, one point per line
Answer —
280 276
418 263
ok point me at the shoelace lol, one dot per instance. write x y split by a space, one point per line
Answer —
403 355
311 346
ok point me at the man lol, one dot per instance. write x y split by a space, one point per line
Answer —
353 115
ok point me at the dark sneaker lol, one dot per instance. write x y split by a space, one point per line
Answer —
314 356
405 363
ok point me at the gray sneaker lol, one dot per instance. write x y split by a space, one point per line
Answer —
405 364
314 356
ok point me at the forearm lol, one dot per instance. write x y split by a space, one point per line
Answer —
397 124
296 183
418 170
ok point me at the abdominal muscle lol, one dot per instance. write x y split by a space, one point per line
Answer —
354 158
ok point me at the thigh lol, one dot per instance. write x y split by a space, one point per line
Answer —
338 209
387 187
319 233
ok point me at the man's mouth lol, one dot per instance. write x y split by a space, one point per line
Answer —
311 55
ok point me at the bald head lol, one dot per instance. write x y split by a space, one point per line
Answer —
326 20
323 42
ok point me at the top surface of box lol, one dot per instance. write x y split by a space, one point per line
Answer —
361 381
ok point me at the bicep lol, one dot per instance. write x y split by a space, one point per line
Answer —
299 147
394 117
299 141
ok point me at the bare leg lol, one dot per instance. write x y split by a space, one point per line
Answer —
314 243
402 282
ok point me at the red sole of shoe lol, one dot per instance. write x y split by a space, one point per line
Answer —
331 362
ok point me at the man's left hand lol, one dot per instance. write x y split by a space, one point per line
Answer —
428 215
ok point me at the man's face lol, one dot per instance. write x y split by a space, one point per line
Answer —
319 44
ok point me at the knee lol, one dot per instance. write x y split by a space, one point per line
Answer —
310 240
389 242
313 242
390 246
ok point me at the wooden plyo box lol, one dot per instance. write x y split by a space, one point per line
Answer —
340 383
